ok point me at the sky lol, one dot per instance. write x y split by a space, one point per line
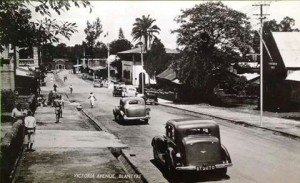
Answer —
122 14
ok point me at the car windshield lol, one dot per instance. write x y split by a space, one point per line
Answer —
198 131
132 102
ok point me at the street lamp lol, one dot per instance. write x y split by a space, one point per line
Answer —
142 62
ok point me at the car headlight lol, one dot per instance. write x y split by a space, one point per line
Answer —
178 155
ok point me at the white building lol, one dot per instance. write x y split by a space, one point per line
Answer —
132 68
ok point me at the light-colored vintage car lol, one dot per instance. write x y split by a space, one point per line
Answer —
191 145
130 91
97 83
131 108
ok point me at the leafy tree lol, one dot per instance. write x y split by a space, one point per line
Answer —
121 34
119 45
93 32
100 50
211 36
16 27
157 60
143 29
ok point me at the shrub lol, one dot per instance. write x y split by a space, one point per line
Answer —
8 98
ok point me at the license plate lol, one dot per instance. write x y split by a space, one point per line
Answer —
203 168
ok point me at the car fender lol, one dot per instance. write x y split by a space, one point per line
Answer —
226 154
170 156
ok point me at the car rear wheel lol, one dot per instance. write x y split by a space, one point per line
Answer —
146 121
222 172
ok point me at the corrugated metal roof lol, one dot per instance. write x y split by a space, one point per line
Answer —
168 74
288 44
294 76
250 76
138 51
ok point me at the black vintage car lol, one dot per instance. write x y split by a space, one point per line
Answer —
117 92
150 98
191 145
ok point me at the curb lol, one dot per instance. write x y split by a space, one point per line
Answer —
238 122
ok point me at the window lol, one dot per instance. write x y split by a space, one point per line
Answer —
170 132
198 131
135 102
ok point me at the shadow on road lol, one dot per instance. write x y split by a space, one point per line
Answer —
181 177
131 123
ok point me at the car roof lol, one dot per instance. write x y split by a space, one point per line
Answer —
125 99
192 122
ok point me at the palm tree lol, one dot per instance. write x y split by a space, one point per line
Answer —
143 28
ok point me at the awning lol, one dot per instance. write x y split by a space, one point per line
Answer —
294 76
78 65
138 51
97 68
24 72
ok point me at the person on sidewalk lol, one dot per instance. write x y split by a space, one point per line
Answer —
57 108
54 87
50 98
30 126
71 88
17 114
62 104
92 99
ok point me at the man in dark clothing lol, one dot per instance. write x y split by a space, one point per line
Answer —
54 87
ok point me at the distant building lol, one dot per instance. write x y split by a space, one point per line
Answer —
132 68
61 64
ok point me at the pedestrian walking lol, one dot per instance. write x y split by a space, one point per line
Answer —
92 99
62 104
71 88
50 98
57 108
30 127
54 87
17 114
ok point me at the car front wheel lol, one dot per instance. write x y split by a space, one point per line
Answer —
155 155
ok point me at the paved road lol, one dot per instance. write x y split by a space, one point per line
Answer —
257 155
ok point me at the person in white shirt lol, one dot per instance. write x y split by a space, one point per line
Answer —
30 126
92 99
17 114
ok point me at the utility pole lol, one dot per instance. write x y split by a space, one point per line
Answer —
108 69
261 17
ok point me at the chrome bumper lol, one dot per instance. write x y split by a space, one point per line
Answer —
135 118
195 168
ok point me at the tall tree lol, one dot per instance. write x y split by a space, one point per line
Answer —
211 36
93 32
157 59
143 28
121 34
119 45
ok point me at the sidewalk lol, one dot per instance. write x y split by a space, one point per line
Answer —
286 127
70 151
